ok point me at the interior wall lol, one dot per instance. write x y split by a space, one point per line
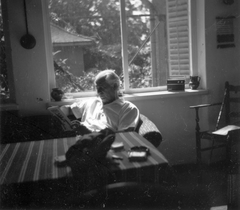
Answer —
221 64
171 115
29 66
176 121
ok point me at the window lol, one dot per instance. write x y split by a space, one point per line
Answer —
6 81
145 42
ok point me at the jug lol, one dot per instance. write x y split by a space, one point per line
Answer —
194 82
57 94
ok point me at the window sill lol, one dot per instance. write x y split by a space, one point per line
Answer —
164 94
141 96
8 107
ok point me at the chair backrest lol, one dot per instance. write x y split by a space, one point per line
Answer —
230 105
149 130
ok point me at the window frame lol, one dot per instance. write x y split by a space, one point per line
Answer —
126 89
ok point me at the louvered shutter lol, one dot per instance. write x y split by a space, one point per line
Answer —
178 38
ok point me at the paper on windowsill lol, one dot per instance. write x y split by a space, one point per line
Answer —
224 131
76 110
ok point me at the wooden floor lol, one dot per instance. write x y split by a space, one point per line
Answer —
211 194
213 185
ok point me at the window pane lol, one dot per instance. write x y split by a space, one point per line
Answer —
86 39
147 43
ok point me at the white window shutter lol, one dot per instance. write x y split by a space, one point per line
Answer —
178 38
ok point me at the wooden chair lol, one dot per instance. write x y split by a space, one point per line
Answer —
224 136
149 130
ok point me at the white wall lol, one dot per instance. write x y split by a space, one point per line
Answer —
171 115
29 65
177 124
222 64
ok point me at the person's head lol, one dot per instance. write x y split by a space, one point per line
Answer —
107 84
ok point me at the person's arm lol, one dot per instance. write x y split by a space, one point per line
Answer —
128 118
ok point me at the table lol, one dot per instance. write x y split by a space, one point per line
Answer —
34 161
26 163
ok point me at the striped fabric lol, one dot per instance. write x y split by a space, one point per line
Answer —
34 161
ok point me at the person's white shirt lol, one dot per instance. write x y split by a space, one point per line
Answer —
118 115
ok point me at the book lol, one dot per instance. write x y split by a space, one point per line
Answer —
64 120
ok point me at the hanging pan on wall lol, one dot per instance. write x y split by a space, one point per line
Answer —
27 41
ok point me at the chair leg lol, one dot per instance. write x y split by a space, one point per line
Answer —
228 154
198 147
199 158
233 169
211 153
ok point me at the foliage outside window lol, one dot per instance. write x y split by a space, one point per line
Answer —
5 94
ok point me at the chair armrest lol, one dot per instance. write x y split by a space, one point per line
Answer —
149 130
204 105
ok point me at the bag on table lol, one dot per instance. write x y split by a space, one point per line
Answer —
87 158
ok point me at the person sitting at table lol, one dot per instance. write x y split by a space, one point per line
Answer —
109 110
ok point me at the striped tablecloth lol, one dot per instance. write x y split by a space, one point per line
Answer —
34 161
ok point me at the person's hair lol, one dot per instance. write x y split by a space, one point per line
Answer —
110 77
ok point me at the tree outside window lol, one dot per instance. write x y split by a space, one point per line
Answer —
5 93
